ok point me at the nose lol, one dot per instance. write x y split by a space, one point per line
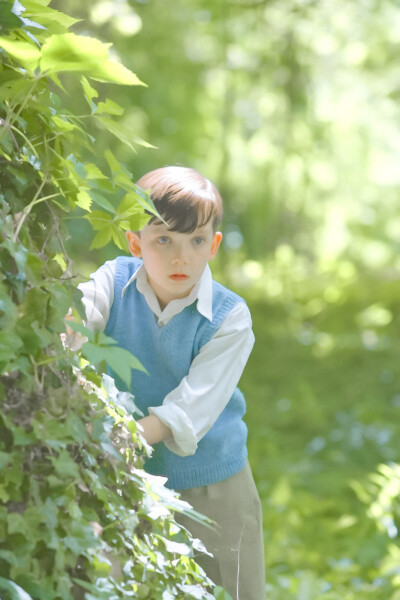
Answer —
179 256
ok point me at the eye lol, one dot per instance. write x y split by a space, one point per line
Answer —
197 241
163 239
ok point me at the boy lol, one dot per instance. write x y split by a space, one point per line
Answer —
194 337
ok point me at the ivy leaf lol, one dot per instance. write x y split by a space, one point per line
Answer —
130 214
196 591
83 199
221 594
120 360
53 19
102 238
18 9
8 19
86 586
118 130
102 565
101 201
99 219
143 198
114 72
64 465
76 428
93 171
123 133
110 107
89 92
108 227
115 166
60 259
5 460
6 77
118 237
30 23
62 124
122 399
60 301
119 173
16 592
21 437
175 547
8 310
71 52
9 345
25 53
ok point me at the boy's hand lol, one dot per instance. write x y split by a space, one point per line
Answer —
68 330
154 430
72 339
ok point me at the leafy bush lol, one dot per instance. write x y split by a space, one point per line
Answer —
78 515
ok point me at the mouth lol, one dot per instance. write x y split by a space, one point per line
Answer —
178 277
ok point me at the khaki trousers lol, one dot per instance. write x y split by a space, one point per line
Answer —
237 544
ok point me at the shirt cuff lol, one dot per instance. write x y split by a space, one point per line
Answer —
184 441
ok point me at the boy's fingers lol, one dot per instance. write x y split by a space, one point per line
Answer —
68 329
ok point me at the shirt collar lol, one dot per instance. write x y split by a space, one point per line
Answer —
202 292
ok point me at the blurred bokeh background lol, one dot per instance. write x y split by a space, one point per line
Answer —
292 108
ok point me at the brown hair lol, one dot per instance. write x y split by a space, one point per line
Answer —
183 197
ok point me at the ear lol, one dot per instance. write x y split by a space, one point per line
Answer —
134 243
215 244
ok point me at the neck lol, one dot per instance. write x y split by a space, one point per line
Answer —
164 302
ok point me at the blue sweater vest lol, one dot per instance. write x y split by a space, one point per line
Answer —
167 353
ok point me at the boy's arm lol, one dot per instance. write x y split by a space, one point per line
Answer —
191 409
154 430
98 296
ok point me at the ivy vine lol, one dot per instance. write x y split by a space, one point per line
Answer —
79 517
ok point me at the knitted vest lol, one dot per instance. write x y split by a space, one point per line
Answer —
167 352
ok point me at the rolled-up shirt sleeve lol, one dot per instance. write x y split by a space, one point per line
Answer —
192 408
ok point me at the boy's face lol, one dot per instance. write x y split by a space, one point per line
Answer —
174 261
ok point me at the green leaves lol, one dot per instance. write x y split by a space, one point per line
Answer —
89 91
122 133
65 466
77 55
24 52
129 216
8 19
68 52
83 54
221 594
105 350
49 18
109 107
73 496
14 590
101 349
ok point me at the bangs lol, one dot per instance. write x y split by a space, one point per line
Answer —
185 214
184 198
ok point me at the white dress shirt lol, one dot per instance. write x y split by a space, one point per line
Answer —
192 408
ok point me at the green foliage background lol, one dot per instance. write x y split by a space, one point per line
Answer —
292 108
